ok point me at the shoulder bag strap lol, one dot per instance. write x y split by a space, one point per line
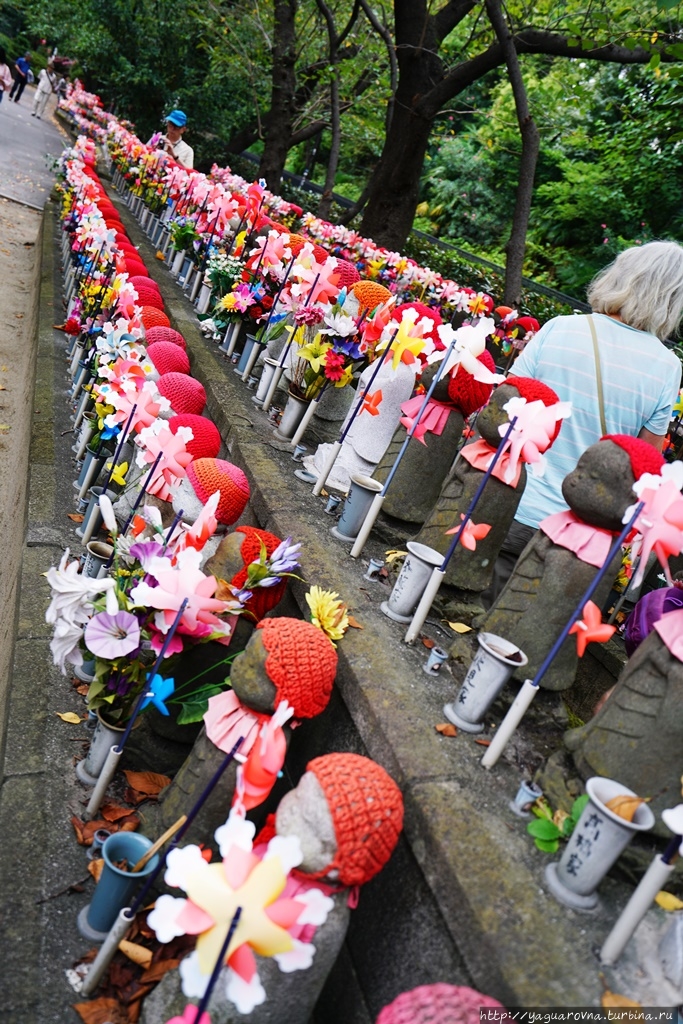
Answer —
598 374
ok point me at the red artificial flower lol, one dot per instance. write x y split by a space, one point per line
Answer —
334 365
72 326
267 301
255 312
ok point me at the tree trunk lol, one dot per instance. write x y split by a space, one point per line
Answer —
516 244
283 94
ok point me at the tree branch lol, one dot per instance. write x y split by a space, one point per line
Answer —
386 35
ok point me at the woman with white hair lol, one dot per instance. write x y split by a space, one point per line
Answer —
47 84
613 368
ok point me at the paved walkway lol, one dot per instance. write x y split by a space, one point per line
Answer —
28 145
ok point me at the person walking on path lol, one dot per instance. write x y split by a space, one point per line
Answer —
47 84
22 69
612 367
5 74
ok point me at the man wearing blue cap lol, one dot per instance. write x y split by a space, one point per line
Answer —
175 146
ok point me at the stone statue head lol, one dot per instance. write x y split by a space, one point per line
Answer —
348 814
600 488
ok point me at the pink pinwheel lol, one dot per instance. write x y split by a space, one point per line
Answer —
184 580
471 534
174 457
305 272
533 432
148 402
203 527
112 636
590 628
660 524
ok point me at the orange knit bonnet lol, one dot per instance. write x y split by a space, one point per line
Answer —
301 662
367 812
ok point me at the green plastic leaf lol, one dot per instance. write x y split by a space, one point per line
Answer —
192 711
547 846
578 806
542 829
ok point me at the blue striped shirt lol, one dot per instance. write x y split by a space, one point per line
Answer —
640 383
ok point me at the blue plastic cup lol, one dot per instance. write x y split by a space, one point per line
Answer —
116 887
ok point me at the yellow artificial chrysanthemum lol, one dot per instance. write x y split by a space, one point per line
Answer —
327 612
228 301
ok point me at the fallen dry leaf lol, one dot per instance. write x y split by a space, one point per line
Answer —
2 387
4 426
391 556
95 868
85 830
101 1011
446 729
224 592
460 627
149 783
667 901
483 743
612 999
158 970
138 954
69 716
428 642
354 623
625 806
114 812
160 256
76 517
82 688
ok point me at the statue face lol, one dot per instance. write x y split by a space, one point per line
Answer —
600 489
440 393
249 678
186 501
304 812
492 416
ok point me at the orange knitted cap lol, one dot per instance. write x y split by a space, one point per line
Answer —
438 1004
370 295
152 317
367 812
210 475
263 599
185 393
644 458
301 662
168 358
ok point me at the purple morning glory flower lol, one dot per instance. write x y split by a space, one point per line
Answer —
112 636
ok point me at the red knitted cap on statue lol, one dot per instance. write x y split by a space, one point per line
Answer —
301 662
145 282
438 1004
263 599
347 273
468 394
165 334
210 475
152 317
367 811
535 391
167 357
644 458
185 393
206 442
148 297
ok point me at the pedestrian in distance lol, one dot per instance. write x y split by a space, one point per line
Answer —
22 70
5 74
47 85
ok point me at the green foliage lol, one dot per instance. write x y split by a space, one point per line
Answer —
547 834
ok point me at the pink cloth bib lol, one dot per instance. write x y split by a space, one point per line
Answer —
588 543
479 455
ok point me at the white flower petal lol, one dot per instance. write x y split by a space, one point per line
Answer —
288 851
245 995
298 959
180 863
163 919
318 906
192 980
